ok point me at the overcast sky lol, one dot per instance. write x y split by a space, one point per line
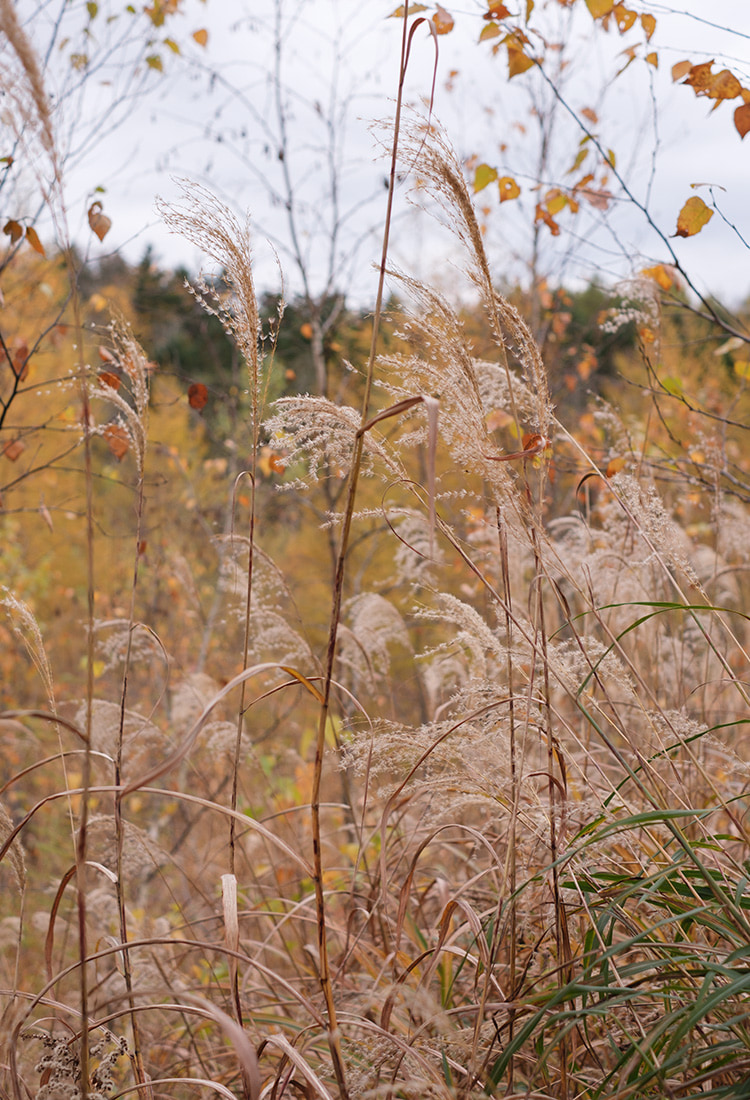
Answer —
212 116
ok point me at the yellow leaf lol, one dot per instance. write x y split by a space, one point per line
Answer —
693 216
580 158
518 61
615 465
155 62
413 9
660 275
172 45
492 30
442 21
555 201
652 59
742 369
648 22
600 8
529 9
483 176
201 36
33 239
508 188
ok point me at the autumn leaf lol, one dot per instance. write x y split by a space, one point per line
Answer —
492 30
652 59
306 331
155 62
543 215
660 275
592 116
20 360
106 378
693 216
600 8
442 21
518 61
14 449
615 465
99 222
648 22
508 188
555 201
14 230
600 200
625 17
682 68
33 238
742 119
483 176
496 11
197 396
201 37
413 9
118 440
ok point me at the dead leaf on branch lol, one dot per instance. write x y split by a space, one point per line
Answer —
197 396
442 21
33 238
742 119
14 449
693 216
118 440
13 229
99 222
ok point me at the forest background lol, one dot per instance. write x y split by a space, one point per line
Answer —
374 673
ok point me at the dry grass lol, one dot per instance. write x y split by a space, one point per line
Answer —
491 841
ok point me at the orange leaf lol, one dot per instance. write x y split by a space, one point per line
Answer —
625 17
108 379
542 215
682 68
660 275
33 239
693 216
590 115
600 8
201 36
14 449
100 224
20 362
518 61
118 440
742 119
648 22
306 330
442 21
615 465
496 11
508 188
197 396
483 176
14 230
652 59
